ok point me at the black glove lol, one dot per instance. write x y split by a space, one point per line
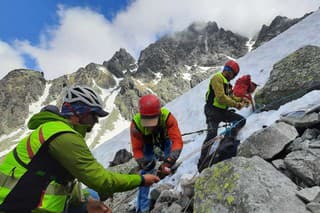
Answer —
173 156
146 165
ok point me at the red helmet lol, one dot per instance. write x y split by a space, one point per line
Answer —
149 105
232 66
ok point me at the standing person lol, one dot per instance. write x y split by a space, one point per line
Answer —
218 99
153 127
37 174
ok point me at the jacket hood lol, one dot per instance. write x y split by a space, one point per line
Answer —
46 116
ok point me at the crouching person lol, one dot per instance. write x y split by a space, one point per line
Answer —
153 127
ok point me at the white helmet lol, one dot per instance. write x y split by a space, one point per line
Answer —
85 95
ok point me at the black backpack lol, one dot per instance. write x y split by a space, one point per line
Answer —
226 149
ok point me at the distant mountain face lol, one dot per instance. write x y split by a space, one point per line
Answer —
172 65
201 44
169 67
277 26
18 88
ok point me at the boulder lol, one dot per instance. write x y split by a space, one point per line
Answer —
305 165
269 141
245 185
122 156
285 82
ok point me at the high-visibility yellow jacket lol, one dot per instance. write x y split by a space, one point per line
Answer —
219 92
36 175
167 129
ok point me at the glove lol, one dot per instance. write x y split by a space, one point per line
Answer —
149 179
164 170
239 105
246 102
146 165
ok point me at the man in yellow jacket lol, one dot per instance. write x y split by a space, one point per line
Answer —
37 175
219 98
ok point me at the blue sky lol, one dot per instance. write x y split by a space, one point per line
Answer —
22 19
59 37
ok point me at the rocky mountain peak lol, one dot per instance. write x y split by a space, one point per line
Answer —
204 44
120 62
277 26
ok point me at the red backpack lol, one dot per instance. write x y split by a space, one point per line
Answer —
244 87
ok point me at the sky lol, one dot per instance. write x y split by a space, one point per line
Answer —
258 64
59 37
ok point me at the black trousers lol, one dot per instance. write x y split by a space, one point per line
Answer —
214 116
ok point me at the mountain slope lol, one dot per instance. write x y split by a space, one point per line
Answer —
121 81
188 108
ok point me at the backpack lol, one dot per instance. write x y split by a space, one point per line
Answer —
224 149
244 87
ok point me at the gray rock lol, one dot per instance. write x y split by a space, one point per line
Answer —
245 185
155 193
315 144
279 164
168 196
125 168
306 120
269 141
309 194
298 144
285 84
313 207
175 208
310 134
186 203
187 186
305 164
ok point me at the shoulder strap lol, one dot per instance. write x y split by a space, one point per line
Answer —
18 159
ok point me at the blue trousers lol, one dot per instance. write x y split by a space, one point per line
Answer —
143 201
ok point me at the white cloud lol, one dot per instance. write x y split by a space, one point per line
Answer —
9 59
83 36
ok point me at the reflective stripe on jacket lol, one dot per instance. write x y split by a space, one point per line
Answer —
14 166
